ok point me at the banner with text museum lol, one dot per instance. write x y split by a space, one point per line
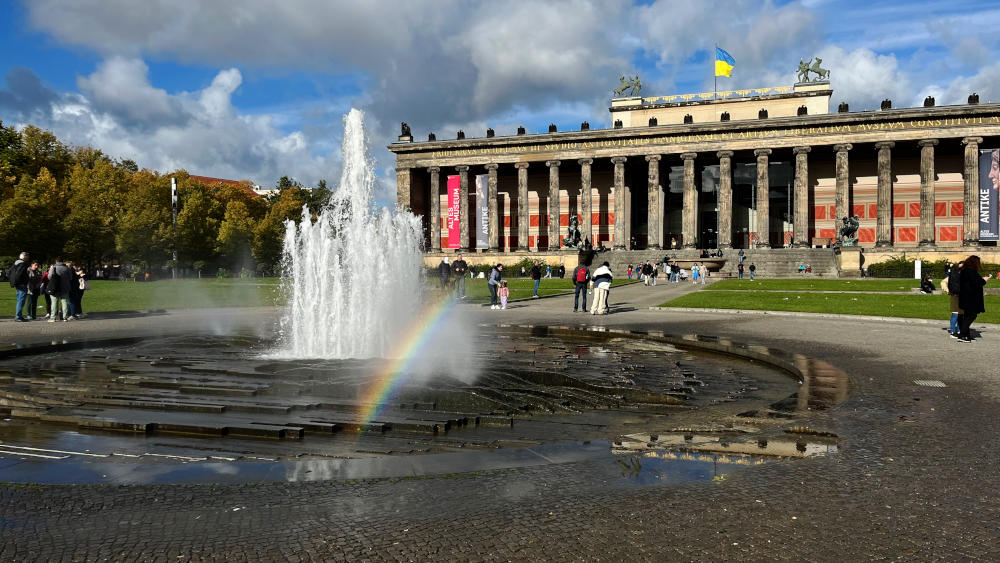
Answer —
989 194
454 224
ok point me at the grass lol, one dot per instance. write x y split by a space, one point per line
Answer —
167 294
232 292
916 306
813 284
521 288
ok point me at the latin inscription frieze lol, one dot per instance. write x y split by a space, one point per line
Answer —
722 136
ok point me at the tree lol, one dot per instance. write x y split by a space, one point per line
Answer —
32 220
285 182
197 222
235 234
269 233
41 149
96 201
128 165
145 228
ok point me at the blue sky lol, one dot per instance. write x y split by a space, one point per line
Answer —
257 89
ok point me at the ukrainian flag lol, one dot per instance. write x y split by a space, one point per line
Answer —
724 63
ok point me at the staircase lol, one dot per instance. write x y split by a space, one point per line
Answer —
770 262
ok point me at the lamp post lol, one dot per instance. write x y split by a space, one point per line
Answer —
173 204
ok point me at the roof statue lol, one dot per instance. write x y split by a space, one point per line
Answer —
631 85
812 66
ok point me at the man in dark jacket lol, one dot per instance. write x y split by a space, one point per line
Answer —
460 268
536 274
444 270
18 276
60 279
581 275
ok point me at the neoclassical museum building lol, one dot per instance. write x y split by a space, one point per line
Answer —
765 168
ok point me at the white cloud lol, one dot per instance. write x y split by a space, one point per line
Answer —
864 78
123 114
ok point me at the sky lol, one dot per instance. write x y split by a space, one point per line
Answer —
258 89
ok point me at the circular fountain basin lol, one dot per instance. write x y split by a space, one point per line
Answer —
220 409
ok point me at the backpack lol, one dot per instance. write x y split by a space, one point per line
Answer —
53 287
581 275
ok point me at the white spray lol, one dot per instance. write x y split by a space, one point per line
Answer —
353 276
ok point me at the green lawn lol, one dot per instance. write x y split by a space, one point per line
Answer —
913 306
520 288
806 284
167 294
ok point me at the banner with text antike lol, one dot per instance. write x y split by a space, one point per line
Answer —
989 194
483 212
454 224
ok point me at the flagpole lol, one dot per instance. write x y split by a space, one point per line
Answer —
715 95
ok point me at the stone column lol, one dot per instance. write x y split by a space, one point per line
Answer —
463 207
620 243
800 226
763 199
588 200
883 219
725 199
927 230
435 205
553 165
653 227
403 188
842 206
689 214
970 222
495 218
522 205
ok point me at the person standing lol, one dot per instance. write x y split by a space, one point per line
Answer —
742 255
18 276
44 290
952 286
704 273
581 275
675 272
548 271
653 273
536 275
494 282
695 269
460 268
58 288
601 282
444 271
739 269
34 286
753 270
504 292
74 291
82 285
970 295
629 271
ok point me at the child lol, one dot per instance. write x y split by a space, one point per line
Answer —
503 292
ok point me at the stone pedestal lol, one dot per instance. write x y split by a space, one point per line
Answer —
850 260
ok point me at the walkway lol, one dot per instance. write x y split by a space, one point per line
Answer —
915 478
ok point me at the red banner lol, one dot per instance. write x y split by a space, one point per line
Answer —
454 224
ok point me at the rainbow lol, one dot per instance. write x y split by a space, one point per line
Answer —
388 380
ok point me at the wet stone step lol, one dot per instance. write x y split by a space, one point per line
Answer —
240 392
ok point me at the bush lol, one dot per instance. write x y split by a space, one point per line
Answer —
245 274
222 273
902 267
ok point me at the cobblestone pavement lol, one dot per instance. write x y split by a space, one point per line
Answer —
915 478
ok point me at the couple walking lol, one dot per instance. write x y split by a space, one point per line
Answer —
600 282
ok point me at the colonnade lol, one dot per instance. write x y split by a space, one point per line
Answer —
800 235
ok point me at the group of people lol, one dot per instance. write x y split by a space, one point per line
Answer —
62 285
599 281
649 272
965 285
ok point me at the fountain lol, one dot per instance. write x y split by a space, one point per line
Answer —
367 367
352 276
